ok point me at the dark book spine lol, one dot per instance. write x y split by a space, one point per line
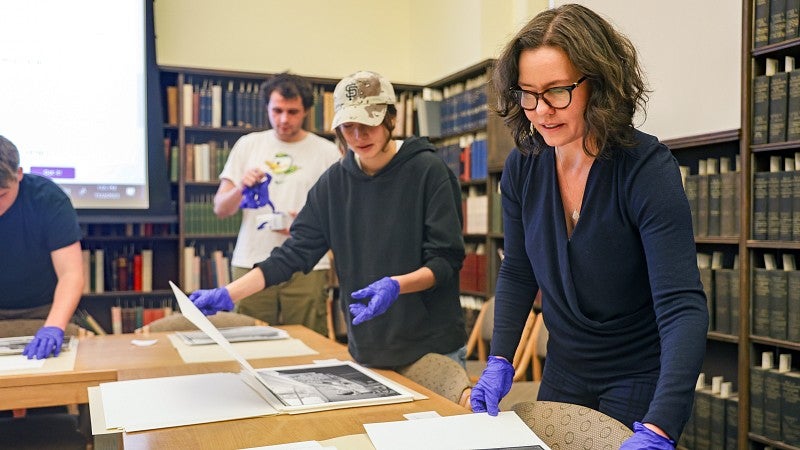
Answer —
792 16
702 428
703 191
722 300
772 404
240 97
793 306
760 202
777 21
774 206
728 204
714 204
732 423
793 106
785 211
761 31
778 105
691 185
777 304
790 408
229 106
760 109
735 302
761 302
717 428
757 400
796 205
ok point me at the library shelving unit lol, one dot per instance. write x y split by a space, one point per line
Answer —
482 142
769 407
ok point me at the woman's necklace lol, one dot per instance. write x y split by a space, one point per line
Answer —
581 175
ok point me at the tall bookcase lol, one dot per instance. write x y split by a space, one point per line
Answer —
769 410
475 143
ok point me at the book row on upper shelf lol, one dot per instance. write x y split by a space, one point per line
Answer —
776 299
203 161
214 103
199 217
721 286
775 21
466 156
714 421
127 230
713 193
775 399
776 200
776 102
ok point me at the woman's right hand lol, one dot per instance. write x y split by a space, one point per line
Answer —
493 385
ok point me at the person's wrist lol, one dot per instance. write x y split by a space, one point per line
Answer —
655 429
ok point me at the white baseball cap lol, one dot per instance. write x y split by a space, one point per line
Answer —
362 98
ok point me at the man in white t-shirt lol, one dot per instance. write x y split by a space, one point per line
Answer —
281 164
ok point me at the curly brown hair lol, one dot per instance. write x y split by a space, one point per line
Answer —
605 56
9 162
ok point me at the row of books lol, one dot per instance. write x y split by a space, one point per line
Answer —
215 103
714 421
473 272
205 269
129 318
92 230
466 156
775 400
475 211
202 161
464 106
776 200
776 299
199 217
721 286
775 21
128 269
776 103
713 194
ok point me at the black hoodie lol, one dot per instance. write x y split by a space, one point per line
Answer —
406 216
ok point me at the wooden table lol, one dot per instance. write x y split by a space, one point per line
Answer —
102 359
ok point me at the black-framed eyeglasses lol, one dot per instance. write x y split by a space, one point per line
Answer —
558 97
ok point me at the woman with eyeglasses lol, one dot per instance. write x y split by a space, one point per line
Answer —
596 219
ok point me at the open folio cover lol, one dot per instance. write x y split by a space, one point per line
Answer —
145 404
15 345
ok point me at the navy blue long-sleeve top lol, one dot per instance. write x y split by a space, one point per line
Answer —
620 296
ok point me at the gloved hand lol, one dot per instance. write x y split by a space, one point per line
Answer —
212 301
645 438
493 385
255 196
383 292
47 341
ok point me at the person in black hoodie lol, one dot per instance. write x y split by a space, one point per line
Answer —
391 213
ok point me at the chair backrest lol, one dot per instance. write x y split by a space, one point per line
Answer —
29 327
564 425
536 350
441 375
177 322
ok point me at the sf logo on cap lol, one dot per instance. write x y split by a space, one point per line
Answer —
351 91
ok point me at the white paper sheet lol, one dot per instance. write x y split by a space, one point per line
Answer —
248 350
152 403
466 431
19 364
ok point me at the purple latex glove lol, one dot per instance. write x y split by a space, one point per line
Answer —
382 294
257 195
493 385
645 438
46 342
212 301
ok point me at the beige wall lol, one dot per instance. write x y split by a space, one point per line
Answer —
408 41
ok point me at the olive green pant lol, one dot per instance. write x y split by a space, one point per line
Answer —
299 301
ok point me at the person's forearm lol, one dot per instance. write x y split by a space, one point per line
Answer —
65 300
418 280
247 285
227 199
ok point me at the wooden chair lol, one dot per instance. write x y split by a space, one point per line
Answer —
567 426
481 335
177 322
441 375
524 390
